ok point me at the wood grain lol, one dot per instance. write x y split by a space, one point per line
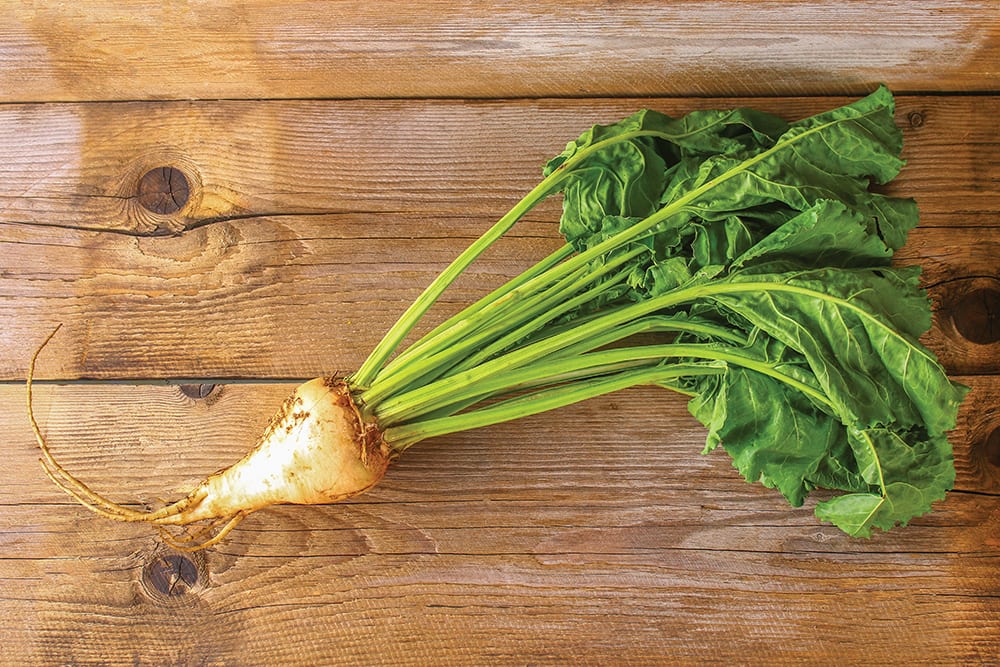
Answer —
485 547
329 159
305 233
79 165
449 48
298 297
93 426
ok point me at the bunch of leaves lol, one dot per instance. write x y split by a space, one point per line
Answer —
758 257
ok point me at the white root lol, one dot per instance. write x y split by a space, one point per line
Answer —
317 449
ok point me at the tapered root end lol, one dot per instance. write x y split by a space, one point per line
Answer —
176 514
172 514
206 536
317 449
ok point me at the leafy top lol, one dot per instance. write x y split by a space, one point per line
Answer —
774 230
756 257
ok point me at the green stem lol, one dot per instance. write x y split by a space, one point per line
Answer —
593 329
553 309
439 338
468 385
605 328
402 437
524 313
675 207
416 310
390 342
551 276
546 346
653 324
644 325
470 334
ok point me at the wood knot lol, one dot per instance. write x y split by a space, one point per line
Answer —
991 448
163 190
977 316
198 392
170 576
916 119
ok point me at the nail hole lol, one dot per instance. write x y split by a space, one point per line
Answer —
163 190
977 316
991 447
171 575
197 391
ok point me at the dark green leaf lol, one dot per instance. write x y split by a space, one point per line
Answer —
909 472
857 328
773 433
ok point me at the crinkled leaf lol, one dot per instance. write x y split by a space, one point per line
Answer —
778 224
909 472
772 432
857 513
852 512
857 329
628 178
827 233
777 436
726 195
832 156
881 434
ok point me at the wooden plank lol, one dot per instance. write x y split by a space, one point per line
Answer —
448 48
81 165
305 224
509 609
483 547
301 234
297 297
94 426
683 606
961 271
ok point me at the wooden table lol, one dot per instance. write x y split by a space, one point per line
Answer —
219 200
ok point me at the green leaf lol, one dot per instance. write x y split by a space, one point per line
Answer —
773 433
828 233
852 513
891 400
756 254
858 329
627 178
857 513
832 156
869 144
911 469
715 200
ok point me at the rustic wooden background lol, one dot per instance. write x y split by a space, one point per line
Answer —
337 156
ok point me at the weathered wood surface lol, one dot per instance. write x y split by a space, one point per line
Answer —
485 547
451 48
311 225
79 165
595 535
